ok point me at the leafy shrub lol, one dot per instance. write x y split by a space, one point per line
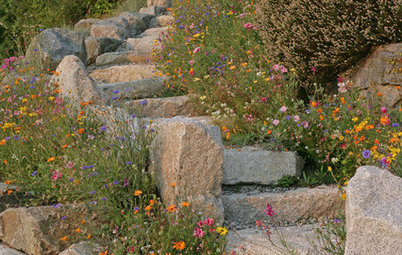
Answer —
22 20
329 36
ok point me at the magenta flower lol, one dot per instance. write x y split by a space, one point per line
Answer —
209 221
198 233
269 211
196 50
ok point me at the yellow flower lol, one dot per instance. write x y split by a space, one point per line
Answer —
329 168
343 196
341 138
355 119
221 230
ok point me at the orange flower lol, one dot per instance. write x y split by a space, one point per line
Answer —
5 161
89 236
64 146
173 184
148 208
152 202
179 245
269 132
64 238
2 142
321 117
185 204
81 130
380 94
137 192
343 100
171 208
57 91
8 182
51 159
9 191
78 230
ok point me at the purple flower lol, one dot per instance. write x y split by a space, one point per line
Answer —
125 182
395 124
103 198
63 218
116 182
143 102
116 91
103 128
34 173
93 192
129 162
133 116
366 154
269 211
114 98
336 221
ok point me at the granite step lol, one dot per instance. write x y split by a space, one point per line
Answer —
244 206
253 165
5 249
254 241
166 107
144 88
123 73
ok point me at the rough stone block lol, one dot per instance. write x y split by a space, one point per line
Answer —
185 154
257 166
373 213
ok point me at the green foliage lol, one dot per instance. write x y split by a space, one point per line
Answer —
287 181
20 21
329 35
332 239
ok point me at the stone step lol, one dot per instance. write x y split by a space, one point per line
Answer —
254 241
258 166
134 89
292 206
5 249
124 73
167 107
125 57
158 31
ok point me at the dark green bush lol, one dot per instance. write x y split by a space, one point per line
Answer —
329 35
21 20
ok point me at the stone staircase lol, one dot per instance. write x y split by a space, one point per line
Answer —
119 67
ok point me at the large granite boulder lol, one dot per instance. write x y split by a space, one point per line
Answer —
96 46
138 22
75 83
39 230
163 3
373 213
123 73
117 28
186 153
380 73
82 248
85 25
50 47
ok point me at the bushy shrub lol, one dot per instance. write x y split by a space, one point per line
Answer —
326 37
21 20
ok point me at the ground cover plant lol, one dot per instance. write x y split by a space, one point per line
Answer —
57 154
255 100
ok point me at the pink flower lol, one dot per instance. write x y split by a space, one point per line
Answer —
269 211
296 118
283 109
276 67
314 70
209 221
196 50
191 62
198 233
200 224
305 124
283 69
263 99
383 109
248 25
275 122
192 26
